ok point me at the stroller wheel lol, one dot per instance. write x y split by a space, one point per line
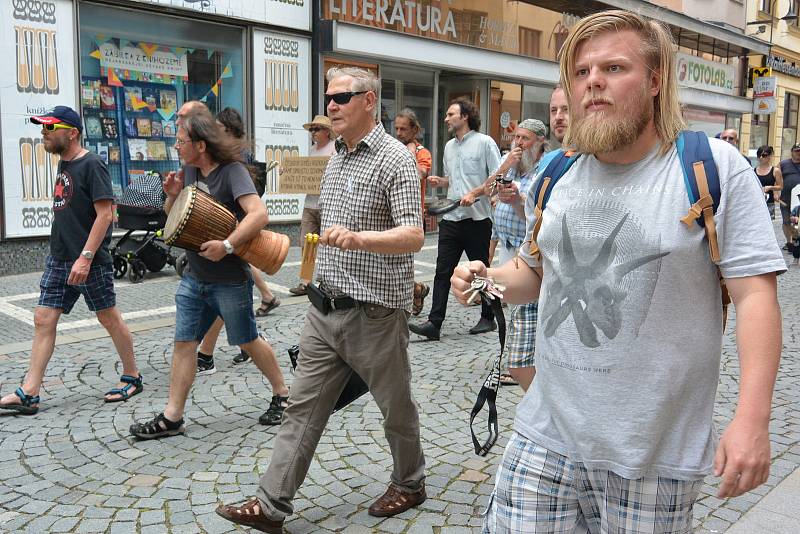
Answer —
137 271
180 264
120 267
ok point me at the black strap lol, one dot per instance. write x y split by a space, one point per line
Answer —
488 392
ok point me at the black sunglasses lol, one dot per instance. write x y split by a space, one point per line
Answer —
315 130
342 98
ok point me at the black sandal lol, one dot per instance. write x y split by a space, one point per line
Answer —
26 405
159 427
131 382
274 413
267 307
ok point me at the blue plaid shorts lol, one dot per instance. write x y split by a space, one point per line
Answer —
97 291
537 490
522 335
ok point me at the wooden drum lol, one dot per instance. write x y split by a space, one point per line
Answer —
196 217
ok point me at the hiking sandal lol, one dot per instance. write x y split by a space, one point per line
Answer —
132 382
159 427
26 405
274 413
267 307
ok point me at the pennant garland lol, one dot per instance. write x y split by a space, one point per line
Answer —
166 113
113 79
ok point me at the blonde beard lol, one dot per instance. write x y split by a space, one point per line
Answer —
600 133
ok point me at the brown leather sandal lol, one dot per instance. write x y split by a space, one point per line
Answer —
251 515
395 502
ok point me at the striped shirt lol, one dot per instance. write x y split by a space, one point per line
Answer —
509 228
373 188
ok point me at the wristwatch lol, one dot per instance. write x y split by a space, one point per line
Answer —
88 254
228 247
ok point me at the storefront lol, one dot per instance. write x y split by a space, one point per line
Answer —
128 70
786 68
499 54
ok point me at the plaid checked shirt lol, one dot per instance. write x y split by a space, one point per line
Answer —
373 188
508 227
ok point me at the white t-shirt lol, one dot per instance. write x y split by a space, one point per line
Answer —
629 333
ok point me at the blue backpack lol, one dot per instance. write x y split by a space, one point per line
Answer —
702 186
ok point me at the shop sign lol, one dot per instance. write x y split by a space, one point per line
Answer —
281 105
143 57
764 100
289 13
758 72
780 64
455 21
37 53
699 73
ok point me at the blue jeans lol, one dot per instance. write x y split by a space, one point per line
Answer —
198 304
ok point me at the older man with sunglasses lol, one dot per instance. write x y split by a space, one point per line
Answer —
371 226
79 262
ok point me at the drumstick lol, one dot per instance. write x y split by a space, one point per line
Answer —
23 73
52 64
38 62
309 257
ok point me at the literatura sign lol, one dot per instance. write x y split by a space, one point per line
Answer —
455 21
699 73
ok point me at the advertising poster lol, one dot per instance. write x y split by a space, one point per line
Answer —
282 104
289 13
37 52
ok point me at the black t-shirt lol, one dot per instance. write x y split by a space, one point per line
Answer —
226 183
791 178
79 184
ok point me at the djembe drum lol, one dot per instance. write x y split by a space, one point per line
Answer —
196 217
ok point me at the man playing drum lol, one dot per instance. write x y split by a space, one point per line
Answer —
215 282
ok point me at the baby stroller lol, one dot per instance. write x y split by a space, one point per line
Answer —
139 208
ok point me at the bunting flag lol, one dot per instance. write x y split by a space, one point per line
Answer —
179 50
124 43
149 48
166 113
210 53
227 72
137 103
113 79
96 54
100 39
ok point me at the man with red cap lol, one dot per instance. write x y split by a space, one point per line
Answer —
79 262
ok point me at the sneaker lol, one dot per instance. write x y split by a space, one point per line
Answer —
242 357
205 364
274 413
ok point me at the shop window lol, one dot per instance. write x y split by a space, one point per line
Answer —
759 131
536 105
529 40
795 22
765 6
137 69
791 105
468 25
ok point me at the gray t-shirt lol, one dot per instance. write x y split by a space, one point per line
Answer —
226 184
629 336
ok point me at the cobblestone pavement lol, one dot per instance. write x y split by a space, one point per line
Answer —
73 467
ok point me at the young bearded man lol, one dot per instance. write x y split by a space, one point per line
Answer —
618 434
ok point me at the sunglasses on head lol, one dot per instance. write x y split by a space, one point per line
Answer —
342 98
57 126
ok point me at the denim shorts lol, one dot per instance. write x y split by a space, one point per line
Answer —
97 291
198 304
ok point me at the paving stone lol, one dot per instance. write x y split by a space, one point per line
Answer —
65 524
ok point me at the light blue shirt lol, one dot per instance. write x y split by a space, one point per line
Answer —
468 163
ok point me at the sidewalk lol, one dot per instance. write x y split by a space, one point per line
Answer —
777 513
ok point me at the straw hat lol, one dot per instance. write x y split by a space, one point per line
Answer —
319 120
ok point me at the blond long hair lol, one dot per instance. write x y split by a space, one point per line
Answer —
658 50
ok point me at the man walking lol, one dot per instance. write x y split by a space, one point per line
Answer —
322 144
216 283
469 158
407 129
628 296
79 262
371 225
790 168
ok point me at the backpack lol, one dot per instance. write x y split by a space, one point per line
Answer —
702 187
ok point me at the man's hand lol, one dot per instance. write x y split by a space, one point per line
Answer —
173 183
79 272
508 194
742 459
514 157
468 199
340 237
213 250
461 281
438 181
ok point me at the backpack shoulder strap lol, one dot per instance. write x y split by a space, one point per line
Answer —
558 167
702 186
